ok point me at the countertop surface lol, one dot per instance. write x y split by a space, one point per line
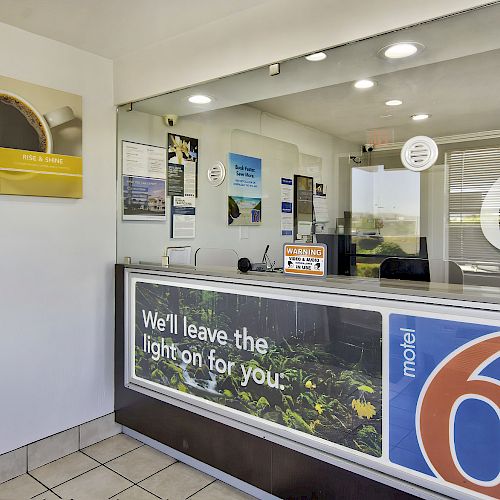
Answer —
390 289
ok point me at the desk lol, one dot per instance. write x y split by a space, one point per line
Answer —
299 386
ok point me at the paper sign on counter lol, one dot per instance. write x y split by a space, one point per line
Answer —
304 259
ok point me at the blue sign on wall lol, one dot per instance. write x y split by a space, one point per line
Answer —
444 415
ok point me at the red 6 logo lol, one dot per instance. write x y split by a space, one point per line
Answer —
454 380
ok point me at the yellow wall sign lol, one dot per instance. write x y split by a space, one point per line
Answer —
40 140
40 174
304 259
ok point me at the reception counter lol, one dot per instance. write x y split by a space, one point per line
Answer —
314 388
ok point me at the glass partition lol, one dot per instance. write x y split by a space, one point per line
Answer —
221 167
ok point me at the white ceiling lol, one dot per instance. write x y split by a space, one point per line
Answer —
455 79
113 28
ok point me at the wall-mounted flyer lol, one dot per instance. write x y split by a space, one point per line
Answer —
143 181
183 217
182 168
244 190
286 207
143 198
40 141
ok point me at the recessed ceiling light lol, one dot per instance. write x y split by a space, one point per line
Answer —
394 102
317 56
364 84
199 99
420 116
400 50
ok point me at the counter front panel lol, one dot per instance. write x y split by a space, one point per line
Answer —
405 389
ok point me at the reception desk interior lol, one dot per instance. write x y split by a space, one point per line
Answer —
299 387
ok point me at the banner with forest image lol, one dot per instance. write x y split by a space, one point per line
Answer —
312 368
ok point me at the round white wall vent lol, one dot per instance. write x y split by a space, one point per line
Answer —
217 174
419 153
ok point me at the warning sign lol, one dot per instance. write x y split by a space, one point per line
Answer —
304 259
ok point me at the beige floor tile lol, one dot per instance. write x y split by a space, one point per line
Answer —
48 495
20 488
97 484
219 490
64 469
177 482
134 493
111 448
140 463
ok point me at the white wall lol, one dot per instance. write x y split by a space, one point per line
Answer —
272 31
243 130
56 262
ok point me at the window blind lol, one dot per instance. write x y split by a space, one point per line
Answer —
471 173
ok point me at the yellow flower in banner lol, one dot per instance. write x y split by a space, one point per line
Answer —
310 385
363 409
318 408
366 388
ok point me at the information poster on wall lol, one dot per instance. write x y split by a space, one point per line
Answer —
182 168
244 190
143 160
143 198
444 415
248 353
183 215
40 140
286 207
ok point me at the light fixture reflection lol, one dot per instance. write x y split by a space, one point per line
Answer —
401 50
317 56
199 99
393 102
364 84
420 116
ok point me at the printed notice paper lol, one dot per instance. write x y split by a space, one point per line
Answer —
183 212
286 207
142 160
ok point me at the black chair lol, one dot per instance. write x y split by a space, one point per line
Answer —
400 268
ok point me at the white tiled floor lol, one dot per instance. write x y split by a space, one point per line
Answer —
120 468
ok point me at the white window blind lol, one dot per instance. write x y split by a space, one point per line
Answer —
471 174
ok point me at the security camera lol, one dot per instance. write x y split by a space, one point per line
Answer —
367 148
170 120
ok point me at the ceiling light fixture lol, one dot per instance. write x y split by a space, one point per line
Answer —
394 102
420 116
317 56
400 50
364 84
199 99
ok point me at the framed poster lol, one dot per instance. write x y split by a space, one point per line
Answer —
244 190
143 198
182 167
40 140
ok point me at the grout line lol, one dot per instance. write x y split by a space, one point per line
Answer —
206 486
151 475
150 492
68 480
56 494
120 492
52 461
38 481
111 459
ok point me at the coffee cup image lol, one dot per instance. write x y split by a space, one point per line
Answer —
23 127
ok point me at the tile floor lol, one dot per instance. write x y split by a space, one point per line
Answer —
118 468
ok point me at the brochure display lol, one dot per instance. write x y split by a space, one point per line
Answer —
40 141
183 215
406 389
244 190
